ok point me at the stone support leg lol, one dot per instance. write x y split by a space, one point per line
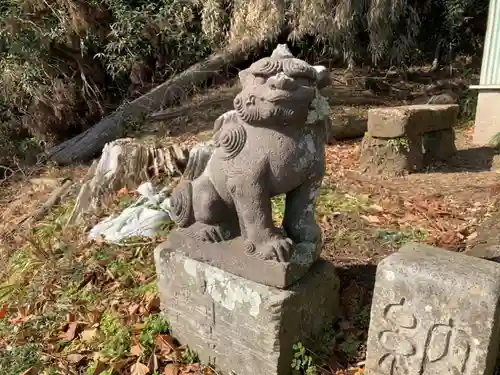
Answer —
439 145
391 156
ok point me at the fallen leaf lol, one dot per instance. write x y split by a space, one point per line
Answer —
139 369
137 328
122 192
193 368
132 309
472 236
30 371
371 219
99 368
20 319
153 362
165 344
70 332
94 317
75 358
3 311
136 350
89 334
376 207
70 317
151 302
171 370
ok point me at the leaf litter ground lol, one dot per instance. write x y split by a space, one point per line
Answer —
69 306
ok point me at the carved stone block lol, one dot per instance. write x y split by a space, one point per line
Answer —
391 157
239 325
410 120
232 256
434 312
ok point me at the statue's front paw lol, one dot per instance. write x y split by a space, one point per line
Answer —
205 233
279 249
210 234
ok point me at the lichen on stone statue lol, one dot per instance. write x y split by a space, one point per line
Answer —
271 143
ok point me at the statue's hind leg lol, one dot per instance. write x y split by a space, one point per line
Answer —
203 216
299 220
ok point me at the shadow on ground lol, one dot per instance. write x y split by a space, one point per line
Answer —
479 159
362 274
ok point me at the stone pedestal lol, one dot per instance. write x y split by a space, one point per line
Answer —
487 123
240 325
434 312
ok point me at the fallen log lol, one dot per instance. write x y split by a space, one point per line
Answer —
90 143
346 126
169 113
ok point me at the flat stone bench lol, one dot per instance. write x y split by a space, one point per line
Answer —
401 140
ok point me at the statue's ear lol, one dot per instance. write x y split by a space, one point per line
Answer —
218 123
222 119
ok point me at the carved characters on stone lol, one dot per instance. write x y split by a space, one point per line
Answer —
444 342
264 147
399 347
450 344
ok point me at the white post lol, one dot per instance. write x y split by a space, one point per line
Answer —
487 122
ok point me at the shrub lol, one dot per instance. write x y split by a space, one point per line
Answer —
65 63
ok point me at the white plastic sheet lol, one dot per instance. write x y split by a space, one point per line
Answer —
145 218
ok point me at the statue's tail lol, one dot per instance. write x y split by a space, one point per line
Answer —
181 204
198 160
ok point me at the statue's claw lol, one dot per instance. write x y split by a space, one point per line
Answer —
210 234
279 249
205 233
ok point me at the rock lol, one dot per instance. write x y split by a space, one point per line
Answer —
487 242
434 312
239 325
444 98
393 122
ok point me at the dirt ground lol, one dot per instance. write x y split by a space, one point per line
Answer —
364 218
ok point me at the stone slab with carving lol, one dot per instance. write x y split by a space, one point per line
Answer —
271 143
434 312
240 325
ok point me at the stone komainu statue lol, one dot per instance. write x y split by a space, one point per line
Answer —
271 143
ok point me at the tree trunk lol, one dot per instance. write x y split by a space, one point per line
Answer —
90 143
